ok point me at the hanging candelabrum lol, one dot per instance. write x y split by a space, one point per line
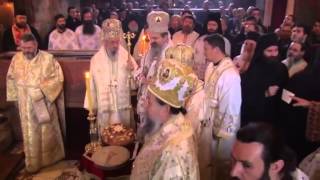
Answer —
95 141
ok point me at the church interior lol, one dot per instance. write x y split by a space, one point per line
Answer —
81 132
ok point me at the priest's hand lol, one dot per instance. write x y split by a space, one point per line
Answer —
131 65
142 79
271 91
300 102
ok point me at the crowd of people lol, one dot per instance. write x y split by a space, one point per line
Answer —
218 96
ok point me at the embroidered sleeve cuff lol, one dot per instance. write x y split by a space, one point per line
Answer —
226 126
35 94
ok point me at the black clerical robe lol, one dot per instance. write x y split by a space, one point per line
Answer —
305 84
254 83
9 44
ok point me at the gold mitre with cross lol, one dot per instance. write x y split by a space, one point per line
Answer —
173 83
158 21
182 53
111 28
185 55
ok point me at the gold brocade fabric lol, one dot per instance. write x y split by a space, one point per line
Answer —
33 83
221 120
168 154
220 128
110 88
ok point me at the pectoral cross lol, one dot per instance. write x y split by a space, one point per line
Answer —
113 90
113 84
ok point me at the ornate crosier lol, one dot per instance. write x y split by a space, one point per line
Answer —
128 36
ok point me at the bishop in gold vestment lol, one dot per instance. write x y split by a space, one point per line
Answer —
111 80
36 83
169 151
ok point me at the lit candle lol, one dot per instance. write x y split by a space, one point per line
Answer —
88 92
144 38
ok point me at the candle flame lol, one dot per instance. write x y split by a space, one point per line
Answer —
87 75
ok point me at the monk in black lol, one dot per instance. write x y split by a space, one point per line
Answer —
262 84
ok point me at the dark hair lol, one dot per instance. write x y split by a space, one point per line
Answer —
216 40
58 16
190 17
304 27
70 8
254 9
186 12
20 12
250 18
85 11
173 110
274 148
28 37
303 45
164 34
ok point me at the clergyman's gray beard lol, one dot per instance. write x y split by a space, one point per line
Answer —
150 126
155 52
29 56
112 54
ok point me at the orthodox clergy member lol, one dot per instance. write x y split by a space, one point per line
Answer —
262 83
35 81
88 34
194 104
186 35
212 25
62 38
111 69
295 61
158 22
169 151
12 36
175 24
72 21
222 107
300 119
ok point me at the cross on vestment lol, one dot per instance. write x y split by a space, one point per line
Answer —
113 87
